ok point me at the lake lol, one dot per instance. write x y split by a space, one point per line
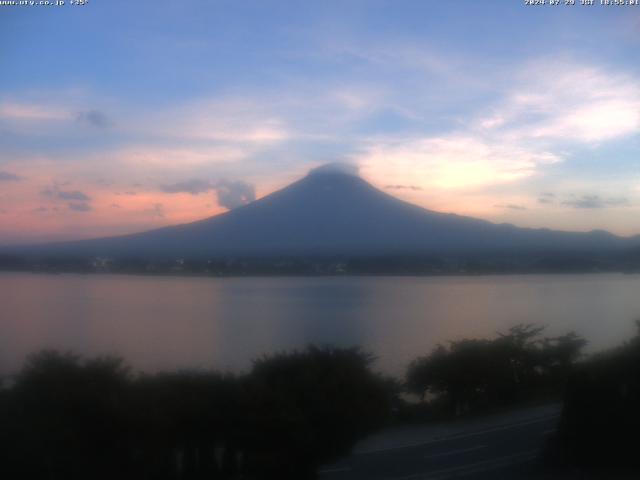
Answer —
184 322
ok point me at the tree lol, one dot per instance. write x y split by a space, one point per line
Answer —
600 416
67 417
310 406
471 374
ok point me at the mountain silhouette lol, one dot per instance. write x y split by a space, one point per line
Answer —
332 211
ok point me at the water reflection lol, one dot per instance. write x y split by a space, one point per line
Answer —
167 323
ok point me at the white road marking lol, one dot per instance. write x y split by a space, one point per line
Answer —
464 470
335 470
460 435
456 452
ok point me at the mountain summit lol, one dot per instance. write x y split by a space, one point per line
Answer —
333 211
335 168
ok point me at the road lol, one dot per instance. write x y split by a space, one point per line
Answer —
502 446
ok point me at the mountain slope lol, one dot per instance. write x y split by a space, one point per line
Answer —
333 212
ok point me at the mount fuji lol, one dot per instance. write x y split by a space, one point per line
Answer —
332 211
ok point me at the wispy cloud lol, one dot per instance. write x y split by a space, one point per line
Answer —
156 210
596 201
9 177
511 206
55 193
403 187
233 194
230 193
560 100
231 120
546 198
79 206
31 111
94 118
456 161
194 187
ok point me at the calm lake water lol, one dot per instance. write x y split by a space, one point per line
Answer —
174 322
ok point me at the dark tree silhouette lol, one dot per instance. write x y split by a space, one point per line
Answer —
601 415
471 375
69 418
185 424
316 403
66 418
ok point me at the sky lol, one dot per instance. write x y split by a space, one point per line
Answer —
120 116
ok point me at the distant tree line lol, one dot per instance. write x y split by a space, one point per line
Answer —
416 264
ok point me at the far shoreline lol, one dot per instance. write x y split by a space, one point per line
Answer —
178 275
